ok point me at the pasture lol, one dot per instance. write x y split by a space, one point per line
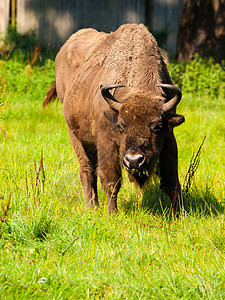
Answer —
51 248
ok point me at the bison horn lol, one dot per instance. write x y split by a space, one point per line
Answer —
175 100
115 104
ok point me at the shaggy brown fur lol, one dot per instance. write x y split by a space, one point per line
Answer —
103 137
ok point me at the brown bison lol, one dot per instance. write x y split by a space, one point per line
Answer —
119 104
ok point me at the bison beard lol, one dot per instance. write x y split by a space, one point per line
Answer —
119 104
138 177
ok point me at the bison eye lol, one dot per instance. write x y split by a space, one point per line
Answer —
143 142
156 128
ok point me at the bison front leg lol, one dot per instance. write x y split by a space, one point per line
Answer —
168 165
87 156
110 175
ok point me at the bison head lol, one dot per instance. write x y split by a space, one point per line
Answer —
143 122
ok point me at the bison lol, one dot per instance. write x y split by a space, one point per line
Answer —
119 103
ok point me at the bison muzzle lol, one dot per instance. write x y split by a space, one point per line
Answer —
119 104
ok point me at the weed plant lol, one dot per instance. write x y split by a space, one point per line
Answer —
201 77
51 248
20 46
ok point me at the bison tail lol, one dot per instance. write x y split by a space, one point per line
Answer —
50 96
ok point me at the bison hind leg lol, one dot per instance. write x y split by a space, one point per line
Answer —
89 183
87 156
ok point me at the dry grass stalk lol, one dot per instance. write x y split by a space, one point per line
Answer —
35 184
2 102
34 55
5 50
5 210
193 166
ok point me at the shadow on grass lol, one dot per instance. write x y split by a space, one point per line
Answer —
198 202
202 202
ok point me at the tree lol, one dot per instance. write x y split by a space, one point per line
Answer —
202 30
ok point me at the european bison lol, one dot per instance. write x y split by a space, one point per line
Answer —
119 104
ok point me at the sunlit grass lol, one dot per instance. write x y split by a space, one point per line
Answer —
51 248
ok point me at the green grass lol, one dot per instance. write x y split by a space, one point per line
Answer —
51 248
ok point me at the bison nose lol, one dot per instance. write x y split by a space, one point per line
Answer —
134 161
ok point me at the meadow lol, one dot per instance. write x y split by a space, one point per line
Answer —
51 248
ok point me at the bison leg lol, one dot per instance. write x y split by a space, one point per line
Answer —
168 165
87 157
110 175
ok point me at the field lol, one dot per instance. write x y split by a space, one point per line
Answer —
51 248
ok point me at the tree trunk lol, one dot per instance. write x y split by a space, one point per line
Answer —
202 30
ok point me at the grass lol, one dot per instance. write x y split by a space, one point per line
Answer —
51 248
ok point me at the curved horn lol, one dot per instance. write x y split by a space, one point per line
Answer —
175 100
115 104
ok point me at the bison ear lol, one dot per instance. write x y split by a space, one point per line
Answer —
174 120
111 116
